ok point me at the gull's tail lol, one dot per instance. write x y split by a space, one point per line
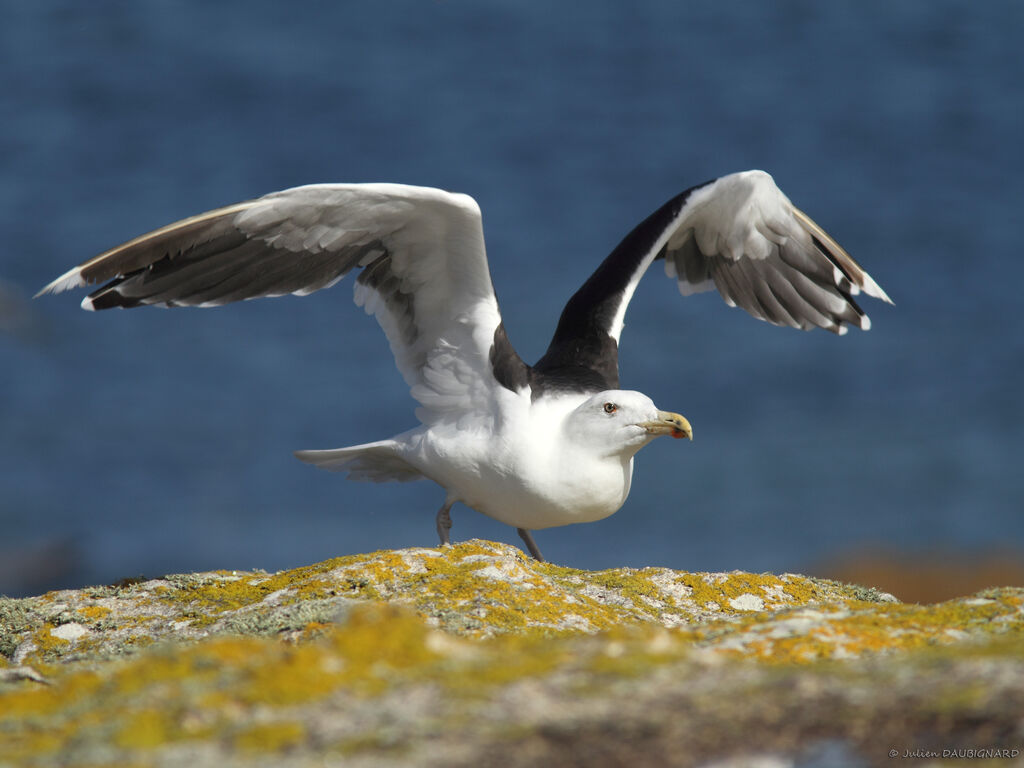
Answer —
374 462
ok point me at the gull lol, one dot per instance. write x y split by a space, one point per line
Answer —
532 446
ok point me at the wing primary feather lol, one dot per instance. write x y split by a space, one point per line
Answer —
741 278
826 301
783 284
151 247
850 268
751 274
773 309
725 284
181 276
812 261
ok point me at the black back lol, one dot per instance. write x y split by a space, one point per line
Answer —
582 355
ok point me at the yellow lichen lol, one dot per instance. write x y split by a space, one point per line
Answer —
30 740
145 729
271 737
94 612
66 691
461 620
859 629
47 646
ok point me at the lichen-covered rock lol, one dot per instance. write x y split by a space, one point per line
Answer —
476 655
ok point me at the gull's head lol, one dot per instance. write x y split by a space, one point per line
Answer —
623 421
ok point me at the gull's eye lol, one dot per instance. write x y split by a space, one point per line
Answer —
610 408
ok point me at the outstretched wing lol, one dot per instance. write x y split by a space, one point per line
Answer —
742 235
421 250
739 234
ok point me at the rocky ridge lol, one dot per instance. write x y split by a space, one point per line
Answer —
477 655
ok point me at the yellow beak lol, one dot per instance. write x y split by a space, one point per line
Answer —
669 423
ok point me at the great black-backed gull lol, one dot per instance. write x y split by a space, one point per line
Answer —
533 446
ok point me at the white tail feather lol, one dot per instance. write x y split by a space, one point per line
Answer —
373 462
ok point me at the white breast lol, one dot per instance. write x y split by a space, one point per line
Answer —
522 472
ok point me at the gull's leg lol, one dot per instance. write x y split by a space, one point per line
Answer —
444 521
531 545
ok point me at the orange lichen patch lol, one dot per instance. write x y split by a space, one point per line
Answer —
488 605
518 593
472 588
313 630
46 639
803 635
94 612
724 591
46 646
203 598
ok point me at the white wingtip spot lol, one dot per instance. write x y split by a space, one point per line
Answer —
843 330
67 281
688 289
874 289
865 323
843 283
87 304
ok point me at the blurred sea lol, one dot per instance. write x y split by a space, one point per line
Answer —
155 441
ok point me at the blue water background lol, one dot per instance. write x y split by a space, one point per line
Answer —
153 441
